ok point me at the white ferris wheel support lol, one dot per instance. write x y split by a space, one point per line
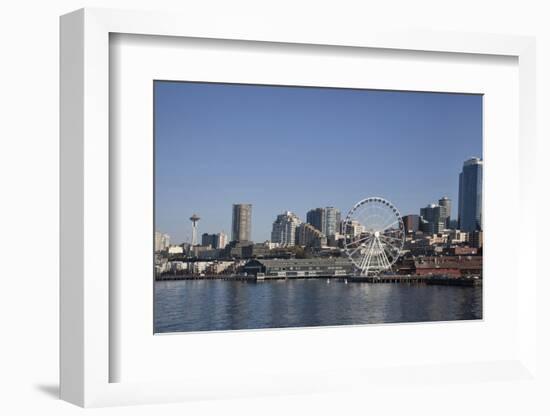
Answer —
374 235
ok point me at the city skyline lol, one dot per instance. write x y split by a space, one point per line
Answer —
317 217
324 176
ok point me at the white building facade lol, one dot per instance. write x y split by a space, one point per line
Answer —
284 229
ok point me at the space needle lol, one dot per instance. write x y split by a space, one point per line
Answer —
194 219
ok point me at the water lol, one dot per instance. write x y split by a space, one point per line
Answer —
207 305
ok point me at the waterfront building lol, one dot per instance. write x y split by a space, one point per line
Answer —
436 265
309 236
284 229
219 267
242 222
411 223
470 195
326 220
445 204
161 264
435 221
328 251
199 267
454 266
176 266
315 267
162 241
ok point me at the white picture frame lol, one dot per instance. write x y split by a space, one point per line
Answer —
86 290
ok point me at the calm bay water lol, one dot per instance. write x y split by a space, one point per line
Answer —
206 305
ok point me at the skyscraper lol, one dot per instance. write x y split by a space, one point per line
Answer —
332 220
326 220
470 195
316 217
162 241
411 223
435 221
220 240
208 239
445 203
217 241
242 219
284 229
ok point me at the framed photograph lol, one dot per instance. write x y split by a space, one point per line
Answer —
293 257
280 212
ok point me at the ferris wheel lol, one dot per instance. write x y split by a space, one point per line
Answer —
374 235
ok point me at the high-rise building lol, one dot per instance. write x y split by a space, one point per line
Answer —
162 241
242 220
309 236
217 241
435 221
284 229
411 223
208 239
316 217
332 219
445 203
326 220
220 240
470 195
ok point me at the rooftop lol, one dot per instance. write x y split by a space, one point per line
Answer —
317 261
473 161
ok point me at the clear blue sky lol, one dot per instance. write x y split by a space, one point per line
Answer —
293 148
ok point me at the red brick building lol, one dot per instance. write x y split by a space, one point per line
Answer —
445 265
463 251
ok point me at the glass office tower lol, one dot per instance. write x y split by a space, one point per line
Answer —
470 195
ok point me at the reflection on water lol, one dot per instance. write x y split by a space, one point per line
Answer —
206 305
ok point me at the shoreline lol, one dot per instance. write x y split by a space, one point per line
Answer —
396 279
